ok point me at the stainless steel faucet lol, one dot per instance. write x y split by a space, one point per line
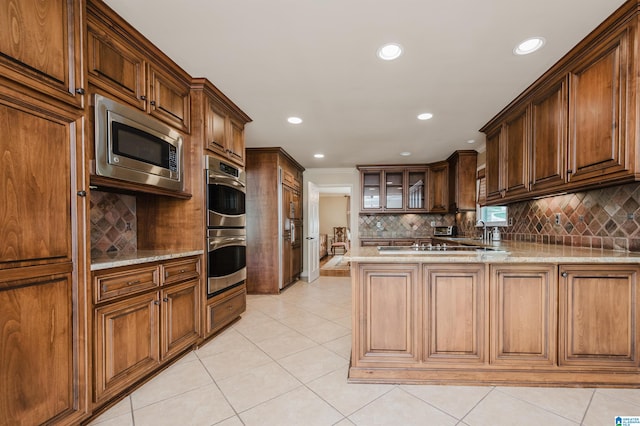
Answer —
485 232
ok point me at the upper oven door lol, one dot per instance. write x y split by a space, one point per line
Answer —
225 201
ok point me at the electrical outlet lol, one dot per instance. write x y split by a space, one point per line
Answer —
433 223
510 221
557 218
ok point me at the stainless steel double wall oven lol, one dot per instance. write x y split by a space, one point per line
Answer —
226 233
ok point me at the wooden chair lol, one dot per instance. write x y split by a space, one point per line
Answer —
340 239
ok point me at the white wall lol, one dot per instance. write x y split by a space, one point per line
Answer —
331 178
333 212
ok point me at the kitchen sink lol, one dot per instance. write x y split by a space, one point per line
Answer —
441 250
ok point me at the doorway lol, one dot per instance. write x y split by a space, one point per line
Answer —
334 229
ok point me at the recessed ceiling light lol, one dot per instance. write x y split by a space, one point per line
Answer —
471 141
425 116
529 45
390 51
294 120
405 153
318 155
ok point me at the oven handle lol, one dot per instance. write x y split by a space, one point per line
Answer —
226 181
216 243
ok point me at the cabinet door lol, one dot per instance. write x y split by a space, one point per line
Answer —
236 141
372 190
215 128
494 166
393 190
126 343
599 318
523 314
598 115
549 138
37 357
438 182
41 47
516 154
454 314
462 181
114 65
169 99
42 263
388 328
180 317
416 190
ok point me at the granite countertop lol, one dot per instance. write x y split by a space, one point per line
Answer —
508 252
138 257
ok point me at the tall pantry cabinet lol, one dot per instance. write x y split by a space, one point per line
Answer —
43 210
274 220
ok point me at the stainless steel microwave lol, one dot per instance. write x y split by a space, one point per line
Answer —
134 147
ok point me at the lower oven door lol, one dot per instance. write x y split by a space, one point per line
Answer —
226 260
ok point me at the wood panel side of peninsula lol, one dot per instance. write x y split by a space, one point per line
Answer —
495 323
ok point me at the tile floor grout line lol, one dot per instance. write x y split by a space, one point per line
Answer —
584 415
218 386
429 403
370 402
493 388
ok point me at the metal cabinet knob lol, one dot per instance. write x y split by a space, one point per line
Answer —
564 275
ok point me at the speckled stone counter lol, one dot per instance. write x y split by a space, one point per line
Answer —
509 252
140 256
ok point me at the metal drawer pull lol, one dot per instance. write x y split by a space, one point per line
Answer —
133 282
182 271
166 299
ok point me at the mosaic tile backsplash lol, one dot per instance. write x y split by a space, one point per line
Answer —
606 218
401 225
113 224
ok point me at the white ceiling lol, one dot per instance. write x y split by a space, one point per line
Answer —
316 59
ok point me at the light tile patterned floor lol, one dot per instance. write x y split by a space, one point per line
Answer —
285 363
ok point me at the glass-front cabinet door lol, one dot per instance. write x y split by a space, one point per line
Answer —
371 190
416 189
394 190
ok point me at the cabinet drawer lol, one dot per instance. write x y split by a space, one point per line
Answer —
180 270
226 310
115 284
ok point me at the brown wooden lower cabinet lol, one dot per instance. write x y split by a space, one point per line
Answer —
523 314
454 313
388 304
126 343
483 323
599 316
224 308
37 373
136 332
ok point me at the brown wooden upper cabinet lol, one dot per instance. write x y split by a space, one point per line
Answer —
41 47
462 180
412 188
223 121
393 189
508 157
438 183
599 94
122 63
574 128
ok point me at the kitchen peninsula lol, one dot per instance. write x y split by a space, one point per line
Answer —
519 313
